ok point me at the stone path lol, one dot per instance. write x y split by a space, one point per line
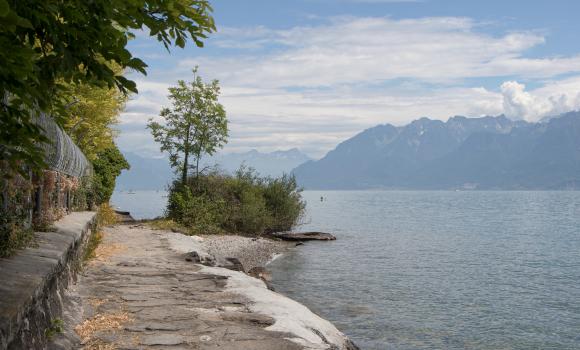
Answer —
139 294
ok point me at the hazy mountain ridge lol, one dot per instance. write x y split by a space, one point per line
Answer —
472 153
145 173
156 174
267 164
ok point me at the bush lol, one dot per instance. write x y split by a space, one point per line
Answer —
284 202
248 213
198 213
243 203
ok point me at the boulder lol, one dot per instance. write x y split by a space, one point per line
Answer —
124 216
196 258
233 264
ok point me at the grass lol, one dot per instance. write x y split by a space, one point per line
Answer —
166 225
56 327
105 217
94 241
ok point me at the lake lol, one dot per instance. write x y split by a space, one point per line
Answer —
435 270
141 204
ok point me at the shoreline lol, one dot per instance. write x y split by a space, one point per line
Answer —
311 330
275 257
148 288
252 252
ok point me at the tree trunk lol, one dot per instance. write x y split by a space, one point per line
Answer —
198 156
185 157
197 166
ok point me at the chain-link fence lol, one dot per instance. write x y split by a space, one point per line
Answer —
61 153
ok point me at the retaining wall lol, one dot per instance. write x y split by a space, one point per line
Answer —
32 281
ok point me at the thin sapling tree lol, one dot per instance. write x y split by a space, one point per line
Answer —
195 125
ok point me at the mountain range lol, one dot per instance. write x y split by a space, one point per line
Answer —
462 153
267 164
156 174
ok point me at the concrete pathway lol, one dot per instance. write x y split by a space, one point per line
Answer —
138 293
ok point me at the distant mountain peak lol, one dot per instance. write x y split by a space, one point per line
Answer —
273 163
485 152
155 173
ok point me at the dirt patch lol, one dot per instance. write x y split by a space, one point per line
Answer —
101 323
104 251
96 302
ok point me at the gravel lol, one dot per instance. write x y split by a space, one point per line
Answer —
251 252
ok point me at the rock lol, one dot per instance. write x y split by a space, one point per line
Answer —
124 216
233 264
261 273
351 346
193 257
196 258
304 236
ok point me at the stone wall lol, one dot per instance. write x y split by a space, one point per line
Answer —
32 281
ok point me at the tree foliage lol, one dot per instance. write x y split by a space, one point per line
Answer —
195 125
107 166
49 42
92 115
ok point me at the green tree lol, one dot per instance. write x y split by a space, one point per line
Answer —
91 118
49 42
195 125
107 166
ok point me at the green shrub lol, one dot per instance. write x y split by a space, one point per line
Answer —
284 202
248 213
198 213
243 203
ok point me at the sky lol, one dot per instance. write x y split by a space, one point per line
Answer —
313 73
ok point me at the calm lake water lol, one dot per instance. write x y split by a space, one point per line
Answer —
141 204
437 270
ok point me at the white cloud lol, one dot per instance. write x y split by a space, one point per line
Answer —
519 104
315 121
553 99
312 87
350 50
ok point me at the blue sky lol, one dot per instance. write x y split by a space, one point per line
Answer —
312 73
